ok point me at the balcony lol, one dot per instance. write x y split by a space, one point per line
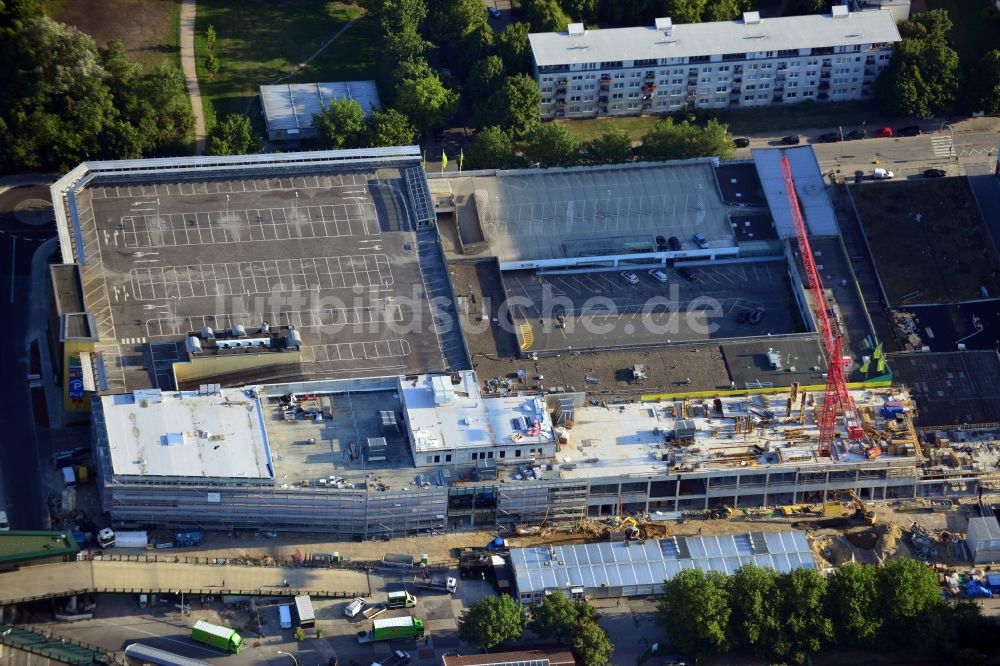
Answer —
649 87
603 99
824 85
560 113
647 106
822 96
560 92
650 76
824 75
602 109
777 99
605 78
737 79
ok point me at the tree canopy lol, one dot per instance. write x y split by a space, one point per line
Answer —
341 124
491 621
514 48
390 128
985 84
694 610
545 15
233 136
426 100
669 140
921 79
852 602
574 623
612 147
63 100
514 106
550 145
492 149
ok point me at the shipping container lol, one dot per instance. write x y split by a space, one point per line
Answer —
397 627
285 616
138 654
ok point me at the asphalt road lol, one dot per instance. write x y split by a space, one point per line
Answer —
19 462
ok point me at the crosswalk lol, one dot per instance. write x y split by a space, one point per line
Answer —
942 146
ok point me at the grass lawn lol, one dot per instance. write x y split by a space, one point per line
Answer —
150 29
973 34
260 41
944 257
741 121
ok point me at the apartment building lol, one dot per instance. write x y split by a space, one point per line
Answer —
667 68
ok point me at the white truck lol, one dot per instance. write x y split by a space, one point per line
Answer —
882 174
439 583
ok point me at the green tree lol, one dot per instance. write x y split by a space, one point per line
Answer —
55 105
684 11
514 106
590 643
341 124
212 64
612 147
210 37
694 612
753 598
426 101
927 26
668 140
805 628
725 10
233 136
908 590
545 15
550 145
166 120
921 79
984 85
515 49
491 621
492 149
801 7
390 128
557 614
485 77
581 10
852 602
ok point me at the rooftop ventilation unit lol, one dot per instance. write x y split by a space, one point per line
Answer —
207 333
576 30
665 25
239 331
751 18
840 11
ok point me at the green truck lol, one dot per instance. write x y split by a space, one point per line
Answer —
223 638
393 627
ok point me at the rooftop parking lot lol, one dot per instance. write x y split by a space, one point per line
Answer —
334 255
605 310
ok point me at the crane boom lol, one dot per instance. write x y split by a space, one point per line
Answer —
836 385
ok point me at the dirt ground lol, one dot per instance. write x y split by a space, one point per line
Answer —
148 28
832 547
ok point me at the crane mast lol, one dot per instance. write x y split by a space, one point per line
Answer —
836 395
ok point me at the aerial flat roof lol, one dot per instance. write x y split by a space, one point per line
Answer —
21 546
290 106
216 433
810 188
722 37
445 415
617 564
324 241
543 214
634 438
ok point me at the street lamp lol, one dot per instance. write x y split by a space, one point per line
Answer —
227 206
296 661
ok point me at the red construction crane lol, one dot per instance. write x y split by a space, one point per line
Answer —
836 386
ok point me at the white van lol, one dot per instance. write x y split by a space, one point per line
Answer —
285 616
354 607
659 276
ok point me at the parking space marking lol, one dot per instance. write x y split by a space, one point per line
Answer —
241 226
260 277
381 312
358 351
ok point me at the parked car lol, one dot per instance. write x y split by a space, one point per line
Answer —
741 142
882 174
854 135
700 240
829 137
661 244
658 275
757 315
792 140
909 130
494 12
883 133
674 243
686 273
935 173
630 277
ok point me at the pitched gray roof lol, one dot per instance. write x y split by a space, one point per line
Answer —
699 39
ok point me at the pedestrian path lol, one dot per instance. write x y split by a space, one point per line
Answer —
942 146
